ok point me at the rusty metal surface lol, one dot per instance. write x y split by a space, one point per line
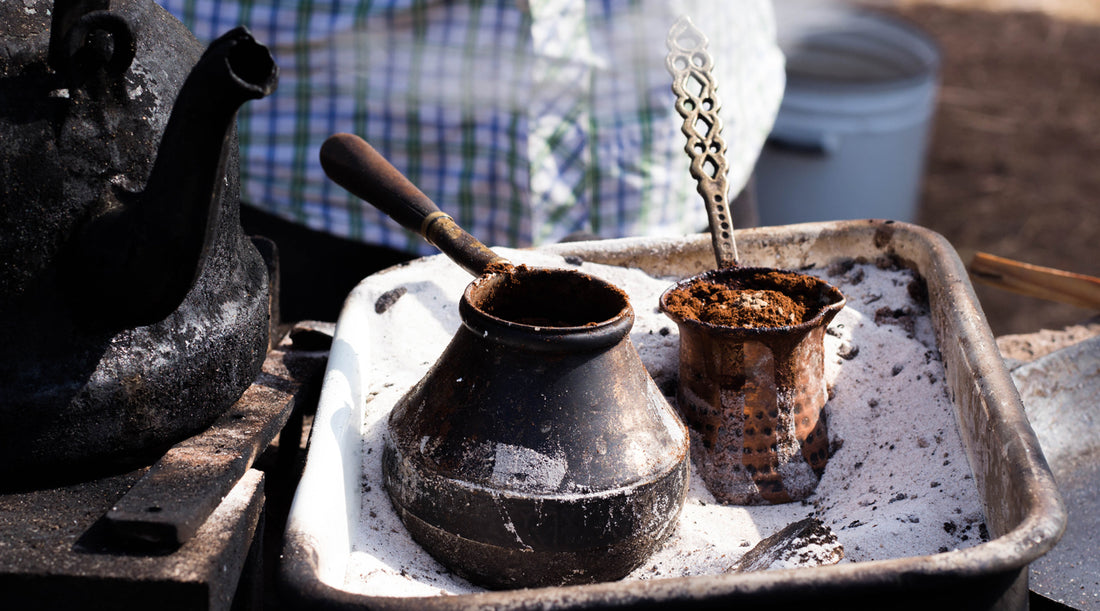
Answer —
753 397
1023 508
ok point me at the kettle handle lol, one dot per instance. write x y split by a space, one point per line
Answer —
71 49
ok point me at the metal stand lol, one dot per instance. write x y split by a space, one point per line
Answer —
183 533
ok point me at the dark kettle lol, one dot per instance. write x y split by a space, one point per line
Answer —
133 309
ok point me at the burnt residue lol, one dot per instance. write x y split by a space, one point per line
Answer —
386 300
902 317
848 351
918 290
840 267
884 235
138 252
80 391
845 269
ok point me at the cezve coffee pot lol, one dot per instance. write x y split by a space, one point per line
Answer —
536 451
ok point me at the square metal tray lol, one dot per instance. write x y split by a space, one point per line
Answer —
1023 510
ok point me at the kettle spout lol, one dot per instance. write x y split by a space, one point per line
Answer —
139 256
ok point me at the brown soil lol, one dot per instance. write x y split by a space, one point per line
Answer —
1016 140
752 307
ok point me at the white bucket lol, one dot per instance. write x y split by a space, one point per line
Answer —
850 138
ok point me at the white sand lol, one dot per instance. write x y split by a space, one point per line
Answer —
898 484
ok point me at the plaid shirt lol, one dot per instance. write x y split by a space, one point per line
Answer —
526 120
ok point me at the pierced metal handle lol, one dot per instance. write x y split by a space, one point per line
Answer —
690 65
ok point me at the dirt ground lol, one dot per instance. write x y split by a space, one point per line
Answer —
1014 160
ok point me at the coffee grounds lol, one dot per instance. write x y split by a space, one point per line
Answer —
502 267
752 307
526 295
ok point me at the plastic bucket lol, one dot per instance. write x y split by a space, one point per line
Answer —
850 138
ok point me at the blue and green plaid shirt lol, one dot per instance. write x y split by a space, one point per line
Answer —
526 120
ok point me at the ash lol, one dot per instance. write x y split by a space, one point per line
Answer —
897 482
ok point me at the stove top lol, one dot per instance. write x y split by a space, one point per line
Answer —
180 533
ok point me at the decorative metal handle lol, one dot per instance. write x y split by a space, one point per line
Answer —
697 102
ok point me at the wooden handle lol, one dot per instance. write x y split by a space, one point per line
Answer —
1036 281
353 164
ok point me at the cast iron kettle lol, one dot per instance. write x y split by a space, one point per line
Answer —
133 310
537 451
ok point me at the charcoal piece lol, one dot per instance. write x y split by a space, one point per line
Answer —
807 542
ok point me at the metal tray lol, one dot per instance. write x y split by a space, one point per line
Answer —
1023 510
1059 393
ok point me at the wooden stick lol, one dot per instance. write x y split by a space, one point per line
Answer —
1036 281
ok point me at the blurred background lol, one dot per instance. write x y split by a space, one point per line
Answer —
1011 166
